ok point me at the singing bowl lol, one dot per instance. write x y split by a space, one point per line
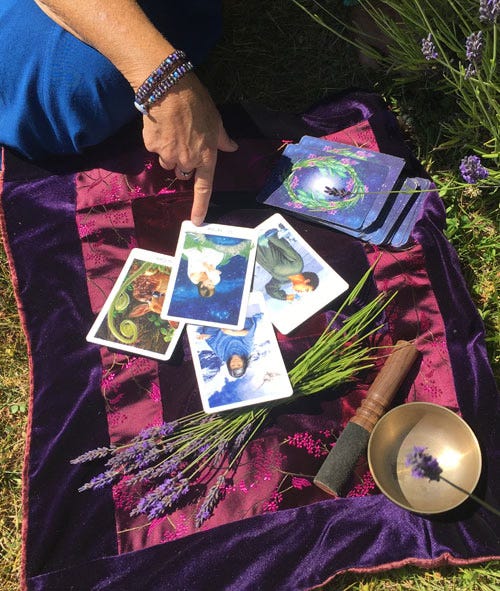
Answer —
447 437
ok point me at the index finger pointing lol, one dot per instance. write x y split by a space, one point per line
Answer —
203 181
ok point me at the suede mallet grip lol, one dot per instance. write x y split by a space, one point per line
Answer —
342 459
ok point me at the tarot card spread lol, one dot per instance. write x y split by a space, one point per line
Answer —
130 318
212 275
347 188
236 368
294 280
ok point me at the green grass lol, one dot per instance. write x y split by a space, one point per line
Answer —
13 414
272 53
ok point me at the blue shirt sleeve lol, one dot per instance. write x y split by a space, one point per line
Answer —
59 95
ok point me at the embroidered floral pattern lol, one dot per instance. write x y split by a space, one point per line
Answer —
300 483
366 487
124 496
154 392
314 447
273 503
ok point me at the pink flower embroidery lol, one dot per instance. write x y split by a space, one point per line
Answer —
364 488
137 191
272 505
124 495
155 393
86 228
300 483
107 380
305 441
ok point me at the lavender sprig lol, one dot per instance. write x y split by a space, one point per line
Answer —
93 454
215 495
159 501
474 46
429 50
240 440
472 170
424 465
101 480
473 53
489 10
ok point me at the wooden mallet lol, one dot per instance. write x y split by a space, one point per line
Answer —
336 470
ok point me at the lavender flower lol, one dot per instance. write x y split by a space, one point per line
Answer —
156 431
134 457
489 10
215 495
429 49
423 465
101 480
163 469
471 70
222 448
472 170
93 454
240 440
474 47
157 502
473 52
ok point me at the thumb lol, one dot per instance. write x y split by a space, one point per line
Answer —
225 143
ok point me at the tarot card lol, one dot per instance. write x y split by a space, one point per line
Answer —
374 199
294 280
392 214
402 234
333 183
212 275
236 368
276 191
130 318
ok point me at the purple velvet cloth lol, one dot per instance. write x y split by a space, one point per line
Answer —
70 539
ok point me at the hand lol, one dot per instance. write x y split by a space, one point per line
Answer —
185 130
235 333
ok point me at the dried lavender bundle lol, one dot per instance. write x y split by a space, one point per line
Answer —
175 457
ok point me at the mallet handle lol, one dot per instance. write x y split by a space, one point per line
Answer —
385 385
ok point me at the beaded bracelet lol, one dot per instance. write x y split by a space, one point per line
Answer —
161 80
165 67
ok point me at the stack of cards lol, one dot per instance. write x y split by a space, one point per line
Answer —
228 286
354 190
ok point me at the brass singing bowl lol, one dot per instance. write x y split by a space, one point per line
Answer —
447 437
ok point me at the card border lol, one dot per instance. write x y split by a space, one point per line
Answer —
274 220
254 298
146 256
220 230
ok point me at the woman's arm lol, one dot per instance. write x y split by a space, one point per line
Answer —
184 128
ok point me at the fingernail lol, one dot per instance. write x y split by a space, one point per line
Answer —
197 220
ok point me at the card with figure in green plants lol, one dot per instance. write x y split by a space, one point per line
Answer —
130 318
